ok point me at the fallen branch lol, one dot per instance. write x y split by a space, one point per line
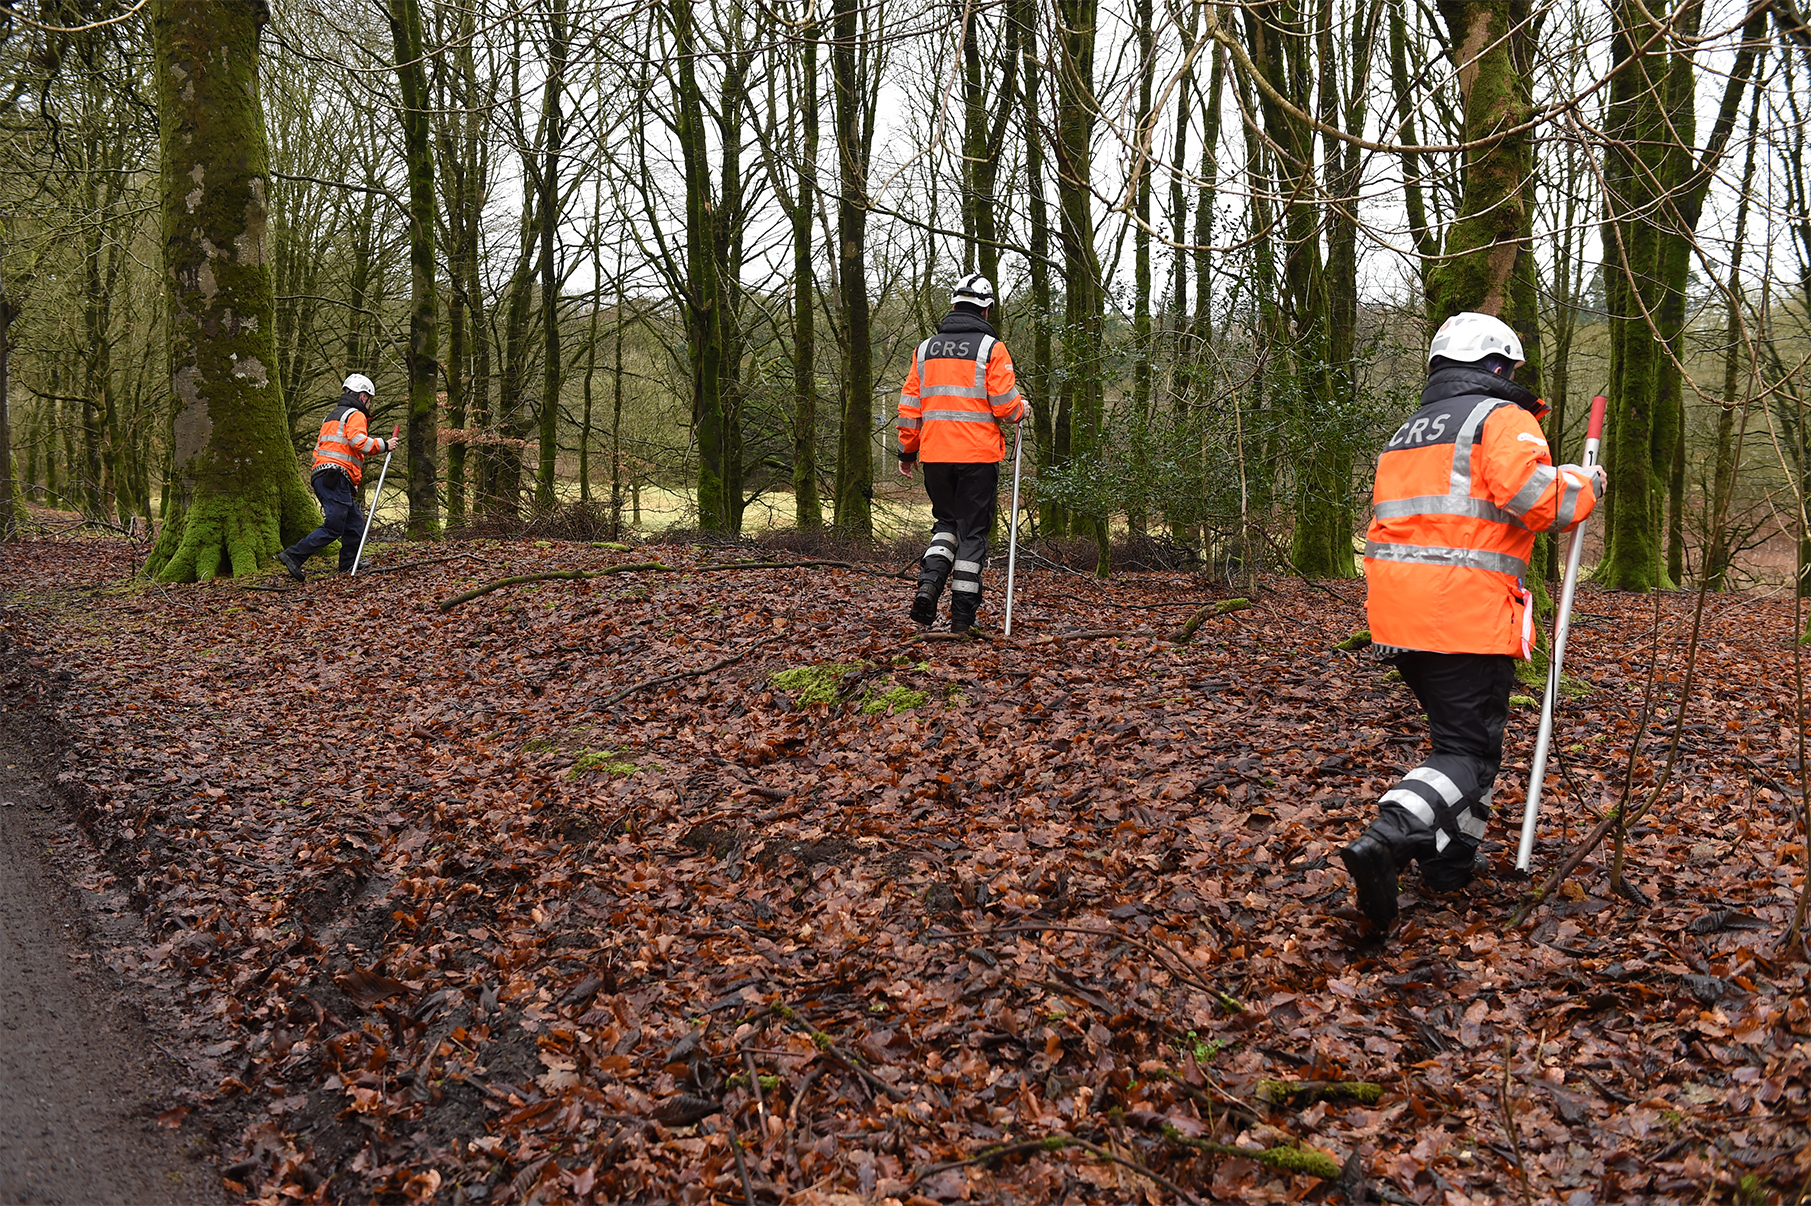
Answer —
657 567
1084 634
1186 633
1056 1143
548 576
632 688
1308 1160
1306 1092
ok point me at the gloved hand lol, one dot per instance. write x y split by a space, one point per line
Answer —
1600 480
1024 410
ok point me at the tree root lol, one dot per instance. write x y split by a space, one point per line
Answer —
657 567
1186 633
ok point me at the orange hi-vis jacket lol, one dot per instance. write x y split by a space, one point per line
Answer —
960 387
1462 488
344 443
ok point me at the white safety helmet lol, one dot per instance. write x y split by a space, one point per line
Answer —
1467 338
974 290
358 383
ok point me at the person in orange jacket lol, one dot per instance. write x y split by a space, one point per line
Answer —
959 390
1462 489
339 459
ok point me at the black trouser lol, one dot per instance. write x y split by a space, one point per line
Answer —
962 503
1437 813
341 519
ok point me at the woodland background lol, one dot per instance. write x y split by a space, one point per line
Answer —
665 260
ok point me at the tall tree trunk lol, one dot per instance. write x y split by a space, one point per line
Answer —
1655 192
238 495
550 275
1139 466
1084 370
424 349
854 135
12 497
705 300
808 508
1321 544
1035 373
1718 553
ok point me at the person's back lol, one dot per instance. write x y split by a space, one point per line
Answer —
960 387
1462 488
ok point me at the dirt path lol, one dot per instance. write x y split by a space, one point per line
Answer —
80 1080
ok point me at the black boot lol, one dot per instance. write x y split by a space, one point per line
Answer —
288 560
924 603
1373 870
962 613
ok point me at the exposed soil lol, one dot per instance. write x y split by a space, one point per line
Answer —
88 1105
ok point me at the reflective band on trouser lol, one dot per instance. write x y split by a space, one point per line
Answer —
943 545
967 577
1433 554
1445 794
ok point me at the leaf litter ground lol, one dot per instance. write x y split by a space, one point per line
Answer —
442 913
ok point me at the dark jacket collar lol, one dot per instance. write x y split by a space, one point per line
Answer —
1454 381
957 322
349 400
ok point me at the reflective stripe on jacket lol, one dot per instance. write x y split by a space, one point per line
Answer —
1462 489
344 443
960 387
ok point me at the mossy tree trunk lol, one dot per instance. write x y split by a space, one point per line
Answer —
237 493
424 340
1656 185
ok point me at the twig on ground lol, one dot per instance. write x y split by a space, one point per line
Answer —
656 567
1509 1128
1056 1143
632 688
1086 634
828 1047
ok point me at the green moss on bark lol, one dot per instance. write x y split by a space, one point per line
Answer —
238 495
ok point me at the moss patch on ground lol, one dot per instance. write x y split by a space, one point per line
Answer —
824 684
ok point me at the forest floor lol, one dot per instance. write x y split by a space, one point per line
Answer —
554 894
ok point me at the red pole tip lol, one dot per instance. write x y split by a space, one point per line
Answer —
1595 431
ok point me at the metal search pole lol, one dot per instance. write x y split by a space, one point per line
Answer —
376 497
1012 540
1562 625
